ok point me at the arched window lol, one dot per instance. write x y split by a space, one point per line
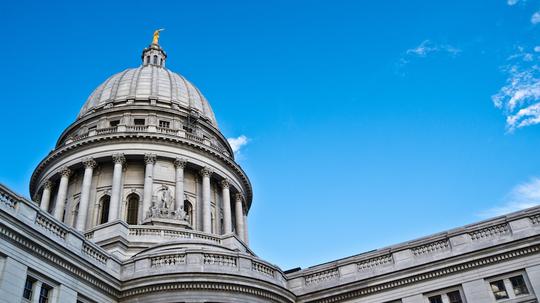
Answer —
147 59
132 209
104 204
161 62
155 59
189 211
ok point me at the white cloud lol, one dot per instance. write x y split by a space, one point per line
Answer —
238 143
522 196
512 2
535 18
424 49
537 49
520 97
427 47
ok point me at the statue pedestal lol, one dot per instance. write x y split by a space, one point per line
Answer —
167 222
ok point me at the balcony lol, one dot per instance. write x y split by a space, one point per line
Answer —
137 129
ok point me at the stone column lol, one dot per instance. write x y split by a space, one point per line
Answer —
206 212
246 238
114 210
476 291
12 280
239 217
62 194
180 164
89 165
36 290
150 160
533 273
46 195
227 218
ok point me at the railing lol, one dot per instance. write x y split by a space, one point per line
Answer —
166 130
374 262
106 130
7 201
414 253
222 260
264 269
168 260
51 226
431 247
322 276
490 232
194 138
144 129
137 128
94 253
142 231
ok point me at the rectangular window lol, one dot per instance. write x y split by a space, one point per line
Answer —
138 121
435 299
454 297
519 286
498 289
114 123
165 124
44 293
27 293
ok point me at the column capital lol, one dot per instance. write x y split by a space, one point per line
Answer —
65 171
89 162
239 197
119 158
150 158
48 184
225 183
180 162
207 171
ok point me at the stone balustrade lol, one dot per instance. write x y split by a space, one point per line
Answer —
158 233
168 260
146 129
51 226
30 214
202 261
7 201
457 242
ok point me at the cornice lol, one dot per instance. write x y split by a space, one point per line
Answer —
207 282
58 260
424 276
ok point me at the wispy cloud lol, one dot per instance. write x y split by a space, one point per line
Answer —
513 2
238 143
535 18
519 98
424 49
427 47
522 196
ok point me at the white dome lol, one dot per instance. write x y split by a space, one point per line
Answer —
149 82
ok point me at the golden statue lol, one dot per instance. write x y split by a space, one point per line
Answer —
156 36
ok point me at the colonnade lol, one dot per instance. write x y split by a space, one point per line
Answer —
119 160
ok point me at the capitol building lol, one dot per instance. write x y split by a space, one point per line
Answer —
142 200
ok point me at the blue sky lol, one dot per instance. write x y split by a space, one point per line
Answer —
367 123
